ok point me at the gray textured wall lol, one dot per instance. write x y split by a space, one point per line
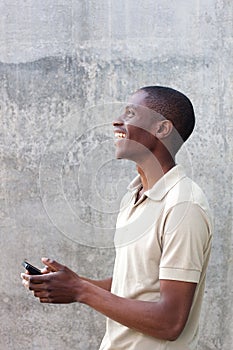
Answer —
66 67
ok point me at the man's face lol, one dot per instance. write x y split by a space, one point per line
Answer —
133 130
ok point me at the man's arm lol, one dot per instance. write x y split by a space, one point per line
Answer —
104 284
164 319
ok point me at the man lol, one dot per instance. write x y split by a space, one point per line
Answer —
163 236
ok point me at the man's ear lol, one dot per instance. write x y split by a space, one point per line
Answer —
163 129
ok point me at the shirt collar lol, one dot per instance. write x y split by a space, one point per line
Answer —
161 187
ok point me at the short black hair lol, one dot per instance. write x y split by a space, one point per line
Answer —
172 105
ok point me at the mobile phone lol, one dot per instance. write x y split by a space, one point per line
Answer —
30 268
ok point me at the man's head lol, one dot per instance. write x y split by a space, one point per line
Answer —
172 105
156 119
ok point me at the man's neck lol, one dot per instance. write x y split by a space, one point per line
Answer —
150 174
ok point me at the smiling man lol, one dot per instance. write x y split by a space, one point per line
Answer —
163 236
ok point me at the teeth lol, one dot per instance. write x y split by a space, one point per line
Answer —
119 135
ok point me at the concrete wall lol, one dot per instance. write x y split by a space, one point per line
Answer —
66 67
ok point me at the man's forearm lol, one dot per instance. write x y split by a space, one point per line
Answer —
104 284
131 313
164 319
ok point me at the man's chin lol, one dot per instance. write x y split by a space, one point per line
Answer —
118 156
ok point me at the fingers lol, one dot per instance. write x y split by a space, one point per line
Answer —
45 300
33 282
41 294
24 280
38 284
52 265
46 269
35 279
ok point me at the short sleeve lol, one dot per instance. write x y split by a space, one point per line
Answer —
185 239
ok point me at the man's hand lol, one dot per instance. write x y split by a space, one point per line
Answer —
57 284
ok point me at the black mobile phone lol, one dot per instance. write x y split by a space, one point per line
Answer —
30 268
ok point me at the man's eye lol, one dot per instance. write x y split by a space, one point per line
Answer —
130 113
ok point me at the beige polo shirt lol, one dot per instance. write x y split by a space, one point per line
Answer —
165 235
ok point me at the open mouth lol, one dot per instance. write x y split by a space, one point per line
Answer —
119 135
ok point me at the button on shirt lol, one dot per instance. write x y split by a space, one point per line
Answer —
166 234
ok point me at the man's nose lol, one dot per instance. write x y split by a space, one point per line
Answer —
118 121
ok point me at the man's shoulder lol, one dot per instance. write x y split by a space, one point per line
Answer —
187 191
